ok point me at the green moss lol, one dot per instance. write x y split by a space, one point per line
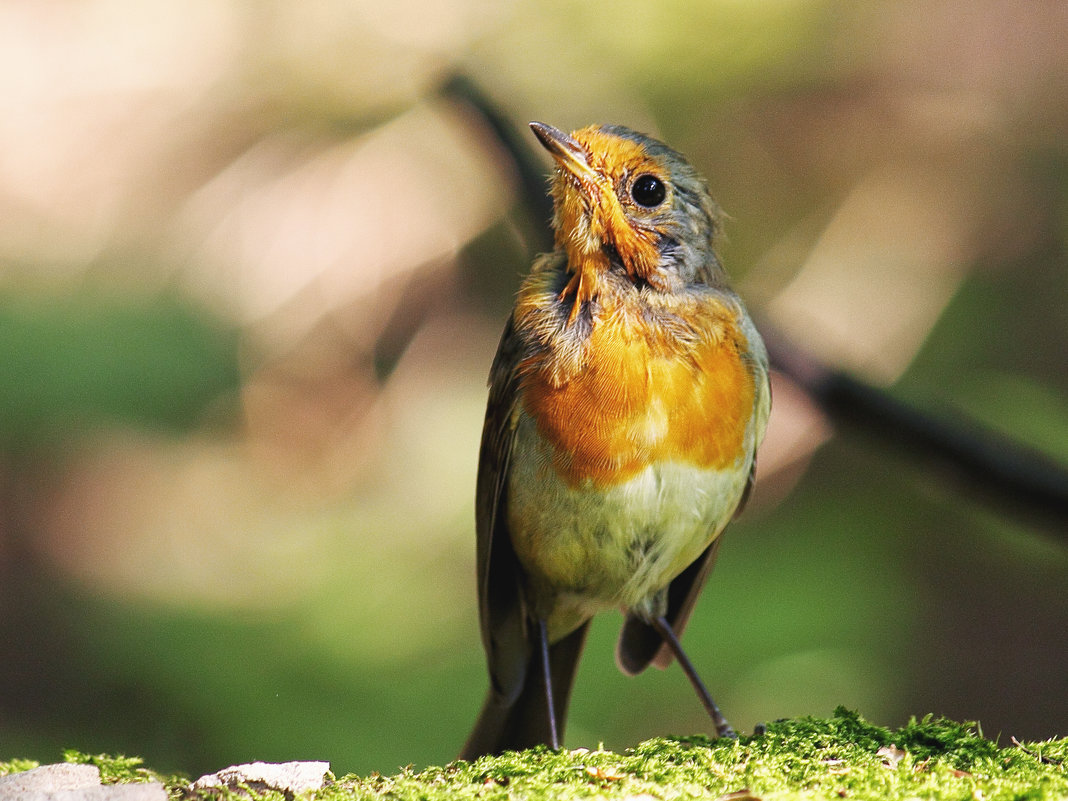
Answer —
844 756
17 766
120 769
841 757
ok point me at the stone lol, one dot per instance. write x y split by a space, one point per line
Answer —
288 777
69 782
64 776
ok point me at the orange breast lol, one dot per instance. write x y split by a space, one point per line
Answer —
642 398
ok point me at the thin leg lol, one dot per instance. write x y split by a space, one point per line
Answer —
663 628
543 638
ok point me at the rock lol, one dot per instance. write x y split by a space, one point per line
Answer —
145 791
68 782
288 777
51 777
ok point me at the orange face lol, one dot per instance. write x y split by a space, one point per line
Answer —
621 197
595 207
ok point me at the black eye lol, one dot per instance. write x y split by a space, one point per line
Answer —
648 190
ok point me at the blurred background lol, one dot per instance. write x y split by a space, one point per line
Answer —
254 263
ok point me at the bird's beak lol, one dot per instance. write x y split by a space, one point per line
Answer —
567 152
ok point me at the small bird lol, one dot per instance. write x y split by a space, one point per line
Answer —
627 399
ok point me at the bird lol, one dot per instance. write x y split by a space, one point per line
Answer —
628 396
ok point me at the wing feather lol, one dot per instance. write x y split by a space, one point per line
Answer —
500 599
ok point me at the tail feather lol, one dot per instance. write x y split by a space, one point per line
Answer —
523 723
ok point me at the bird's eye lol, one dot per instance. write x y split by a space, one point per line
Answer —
648 190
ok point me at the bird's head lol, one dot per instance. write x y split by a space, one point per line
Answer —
624 201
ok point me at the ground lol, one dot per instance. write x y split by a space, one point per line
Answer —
839 757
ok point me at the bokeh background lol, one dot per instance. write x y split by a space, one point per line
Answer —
254 262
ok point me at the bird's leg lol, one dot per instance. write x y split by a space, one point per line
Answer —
543 644
663 628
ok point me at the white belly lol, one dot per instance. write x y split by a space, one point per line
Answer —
586 548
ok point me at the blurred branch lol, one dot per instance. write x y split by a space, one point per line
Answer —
997 470
1000 472
532 175
423 289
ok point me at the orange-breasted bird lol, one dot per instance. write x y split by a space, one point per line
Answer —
627 399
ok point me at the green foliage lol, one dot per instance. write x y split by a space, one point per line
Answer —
17 766
76 361
119 769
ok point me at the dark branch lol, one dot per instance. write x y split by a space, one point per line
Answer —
994 468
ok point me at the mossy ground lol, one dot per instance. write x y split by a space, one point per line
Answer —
840 757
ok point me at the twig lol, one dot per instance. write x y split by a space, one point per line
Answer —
1044 759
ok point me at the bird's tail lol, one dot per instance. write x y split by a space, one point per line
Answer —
524 721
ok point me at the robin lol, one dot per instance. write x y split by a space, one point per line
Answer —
627 399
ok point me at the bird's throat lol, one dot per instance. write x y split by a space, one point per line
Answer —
586 271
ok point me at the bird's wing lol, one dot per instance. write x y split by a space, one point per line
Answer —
500 599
